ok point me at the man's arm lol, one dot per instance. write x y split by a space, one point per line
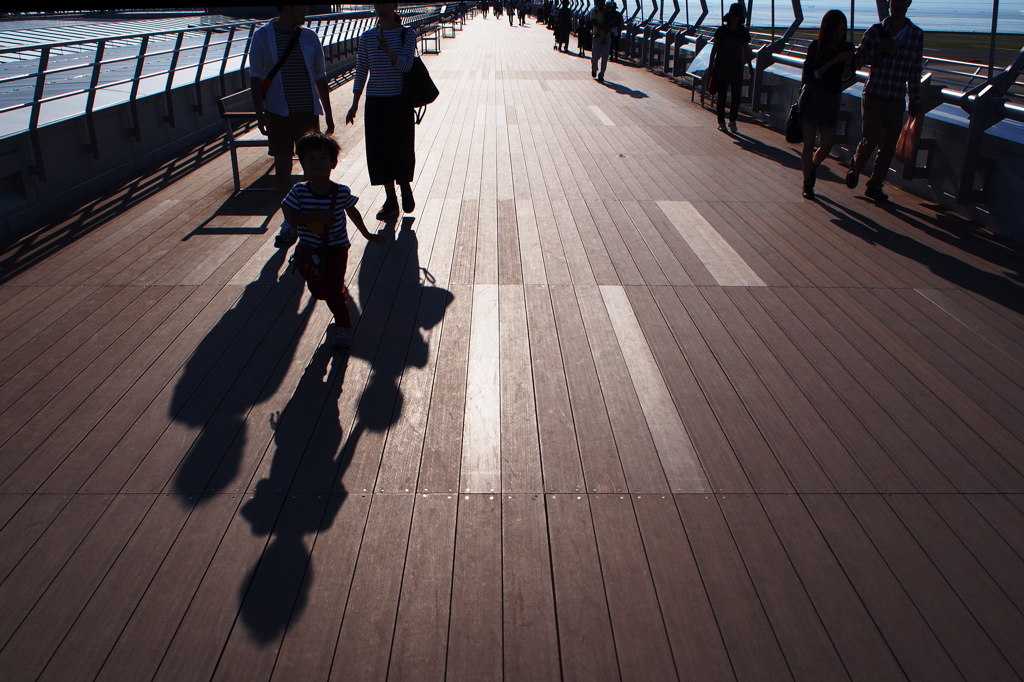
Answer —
914 74
866 50
256 90
324 90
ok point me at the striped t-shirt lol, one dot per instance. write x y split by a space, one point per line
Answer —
302 199
294 76
385 80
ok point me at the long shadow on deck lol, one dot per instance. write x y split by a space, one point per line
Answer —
959 234
303 493
34 245
241 362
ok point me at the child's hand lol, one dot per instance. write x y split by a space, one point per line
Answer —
375 237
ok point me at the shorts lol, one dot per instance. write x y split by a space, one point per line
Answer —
284 131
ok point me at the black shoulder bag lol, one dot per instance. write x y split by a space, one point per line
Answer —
419 88
280 62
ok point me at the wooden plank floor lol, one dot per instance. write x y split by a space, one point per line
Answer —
620 405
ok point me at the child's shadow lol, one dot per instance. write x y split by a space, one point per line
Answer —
303 492
241 362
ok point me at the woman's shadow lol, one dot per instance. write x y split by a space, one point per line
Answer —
303 491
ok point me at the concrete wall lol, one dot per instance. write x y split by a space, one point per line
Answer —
73 175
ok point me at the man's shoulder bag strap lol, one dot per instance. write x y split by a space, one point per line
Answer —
284 57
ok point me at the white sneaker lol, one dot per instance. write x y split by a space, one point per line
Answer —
732 126
342 336
287 236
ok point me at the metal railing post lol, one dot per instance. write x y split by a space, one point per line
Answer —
94 144
38 168
136 130
985 106
199 72
170 78
766 56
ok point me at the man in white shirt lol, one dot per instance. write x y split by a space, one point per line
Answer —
288 95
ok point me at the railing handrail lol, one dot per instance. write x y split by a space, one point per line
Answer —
230 48
233 32
221 27
795 50
216 28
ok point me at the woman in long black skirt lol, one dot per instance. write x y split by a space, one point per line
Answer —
385 55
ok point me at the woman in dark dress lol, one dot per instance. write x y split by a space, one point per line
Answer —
829 63
563 25
730 50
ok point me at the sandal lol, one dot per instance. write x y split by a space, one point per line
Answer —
388 210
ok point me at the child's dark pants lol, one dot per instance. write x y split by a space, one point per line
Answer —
332 289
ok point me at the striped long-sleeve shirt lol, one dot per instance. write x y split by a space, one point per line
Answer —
385 80
896 72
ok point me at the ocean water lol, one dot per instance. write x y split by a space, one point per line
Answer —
932 15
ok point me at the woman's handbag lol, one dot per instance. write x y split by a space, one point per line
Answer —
712 85
794 125
419 88
794 122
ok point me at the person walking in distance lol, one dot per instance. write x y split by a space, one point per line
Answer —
730 50
385 55
829 63
616 29
894 49
288 82
601 23
563 26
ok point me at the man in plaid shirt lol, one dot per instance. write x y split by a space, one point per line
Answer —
894 50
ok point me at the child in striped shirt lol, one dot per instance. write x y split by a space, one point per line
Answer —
318 208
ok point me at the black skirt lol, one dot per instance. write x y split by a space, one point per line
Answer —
390 140
821 108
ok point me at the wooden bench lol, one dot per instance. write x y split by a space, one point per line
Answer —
235 110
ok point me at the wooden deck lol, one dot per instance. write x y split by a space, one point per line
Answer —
620 404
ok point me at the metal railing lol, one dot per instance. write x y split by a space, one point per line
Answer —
44 83
987 95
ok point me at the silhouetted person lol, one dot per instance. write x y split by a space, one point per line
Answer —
289 92
730 50
563 27
894 49
386 54
829 63
318 207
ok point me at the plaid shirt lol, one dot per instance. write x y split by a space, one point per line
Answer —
897 72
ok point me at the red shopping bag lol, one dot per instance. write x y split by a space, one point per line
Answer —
906 146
